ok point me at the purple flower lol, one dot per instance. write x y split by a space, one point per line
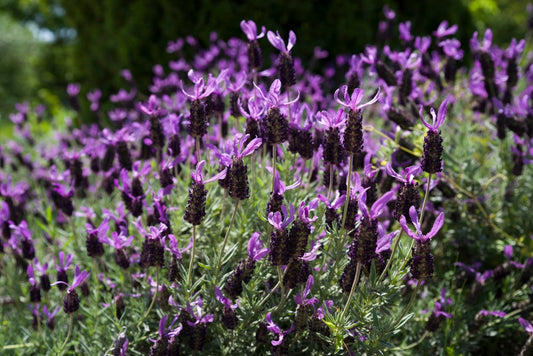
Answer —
276 219
301 298
198 316
485 44
73 89
377 208
250 30
278 43
329 120
256 251
165 332
279 185
198 178
63 263
274 328
405 31
452 48
117 240
526 325
273 97
79 278
439 221
354 102
201 89
437 119
173 248
225 301
443 30
498 313
151 108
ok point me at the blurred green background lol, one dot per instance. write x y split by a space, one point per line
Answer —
45 44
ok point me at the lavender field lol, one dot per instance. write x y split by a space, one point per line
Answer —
249 205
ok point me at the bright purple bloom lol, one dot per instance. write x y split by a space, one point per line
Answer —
354 101
278 43
256 251
73 89
201 89
437 119
377 208
273 97
452 48
63 263
151 108
117 240
443 30
439 221
329 120
275 329
79 278
498 313
250 30
173 248
198 178
405 31
276 219
526 325
225 301
485 44
301 298
198 316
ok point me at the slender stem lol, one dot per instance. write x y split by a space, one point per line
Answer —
226 239
352 290
274 165
198 149
394 247
415 291
288 100
153 298
412 345
330 188
348 183
68 334
191 263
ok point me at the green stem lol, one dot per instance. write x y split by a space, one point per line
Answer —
352 290
330 188
191 263
396 242
406 308
217 270
412 345
348 183
153 298
68 334
274 165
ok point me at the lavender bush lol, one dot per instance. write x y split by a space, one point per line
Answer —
381 206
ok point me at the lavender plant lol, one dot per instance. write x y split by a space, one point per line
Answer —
318 266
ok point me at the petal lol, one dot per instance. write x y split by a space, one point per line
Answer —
442 113
252 146
439 221
380 204
372 101
292 40
405 228
414 218
276 41
356 97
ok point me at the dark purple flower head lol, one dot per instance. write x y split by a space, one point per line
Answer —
417 235
301 298
443 30
225 301
353 102
275 329
250 30
276 41
437 119
281 220
256 251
